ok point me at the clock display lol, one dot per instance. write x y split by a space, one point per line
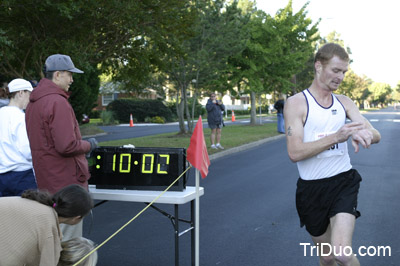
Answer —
138 168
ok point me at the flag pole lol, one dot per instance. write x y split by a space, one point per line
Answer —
197 222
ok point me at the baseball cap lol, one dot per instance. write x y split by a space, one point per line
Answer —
60 62
19 85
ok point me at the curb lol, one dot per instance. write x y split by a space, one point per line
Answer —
93 136
244 147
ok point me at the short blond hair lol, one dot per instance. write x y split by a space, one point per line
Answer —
329 50
75 249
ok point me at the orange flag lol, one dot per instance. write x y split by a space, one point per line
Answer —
197 153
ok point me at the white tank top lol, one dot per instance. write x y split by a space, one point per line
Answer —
320 122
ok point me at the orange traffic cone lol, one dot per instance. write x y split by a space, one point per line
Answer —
233 116
131 122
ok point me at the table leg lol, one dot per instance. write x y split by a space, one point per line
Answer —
192 233
176 235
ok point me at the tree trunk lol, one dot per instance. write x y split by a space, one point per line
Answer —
253 108
191 126
186 106
179 111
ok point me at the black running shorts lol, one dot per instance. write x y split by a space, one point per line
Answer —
319 200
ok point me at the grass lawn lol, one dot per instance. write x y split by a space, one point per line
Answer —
232 136
90 129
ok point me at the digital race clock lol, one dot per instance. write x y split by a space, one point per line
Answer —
138 168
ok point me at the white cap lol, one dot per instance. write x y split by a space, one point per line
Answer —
19 85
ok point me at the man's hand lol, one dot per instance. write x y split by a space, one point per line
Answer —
348 130
93 145
363 137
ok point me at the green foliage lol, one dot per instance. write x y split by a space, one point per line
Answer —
94 114
218 34
84 91
139 108
95 31
127 39
199 109
355 87
157 120
107 117
396 93
380 93
305 77
277 49
238 112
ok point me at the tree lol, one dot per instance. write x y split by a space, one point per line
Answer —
202 66
380 93
86 84
277 49
355 87
126 38
396 93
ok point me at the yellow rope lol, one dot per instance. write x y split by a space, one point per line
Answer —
137 215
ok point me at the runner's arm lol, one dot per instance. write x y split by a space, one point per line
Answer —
368 134
295 112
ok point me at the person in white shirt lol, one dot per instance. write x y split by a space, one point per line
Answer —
16 171
4 101
316 135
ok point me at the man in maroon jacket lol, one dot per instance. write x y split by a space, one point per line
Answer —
58 151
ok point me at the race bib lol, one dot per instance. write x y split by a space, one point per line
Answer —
336 149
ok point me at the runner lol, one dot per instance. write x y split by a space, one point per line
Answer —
316 134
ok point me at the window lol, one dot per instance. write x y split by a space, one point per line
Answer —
107 98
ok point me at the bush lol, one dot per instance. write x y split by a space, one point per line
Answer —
94 114
239 112
107 117
157 120
139 108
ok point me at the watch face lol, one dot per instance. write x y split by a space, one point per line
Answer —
138 168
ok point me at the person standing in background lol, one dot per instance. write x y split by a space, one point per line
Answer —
279 105
16 172
58 151
214 118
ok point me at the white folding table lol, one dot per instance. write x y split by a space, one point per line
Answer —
170 197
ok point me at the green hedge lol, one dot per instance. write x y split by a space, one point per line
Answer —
239 112
139 108
198 108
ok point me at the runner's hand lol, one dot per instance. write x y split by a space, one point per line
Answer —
363 137
347 130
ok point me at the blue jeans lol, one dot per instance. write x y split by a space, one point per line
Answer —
14 183
281 123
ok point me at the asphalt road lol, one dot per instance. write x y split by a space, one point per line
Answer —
248 214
